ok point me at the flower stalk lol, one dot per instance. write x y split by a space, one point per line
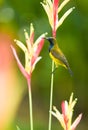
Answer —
31 51
30 104
51 97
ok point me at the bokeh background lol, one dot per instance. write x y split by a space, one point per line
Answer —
72 36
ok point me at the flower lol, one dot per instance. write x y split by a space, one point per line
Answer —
31 51
52 10
65 118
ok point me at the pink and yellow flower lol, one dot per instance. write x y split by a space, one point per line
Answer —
52 10
31 51
65 118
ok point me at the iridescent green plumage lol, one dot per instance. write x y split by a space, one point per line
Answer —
57 55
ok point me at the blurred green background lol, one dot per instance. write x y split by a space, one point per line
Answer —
72 36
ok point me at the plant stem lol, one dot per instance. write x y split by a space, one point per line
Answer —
30 104
51 97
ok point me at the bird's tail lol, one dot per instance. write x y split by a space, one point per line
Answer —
70 71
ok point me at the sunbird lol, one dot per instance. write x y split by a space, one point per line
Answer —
57 55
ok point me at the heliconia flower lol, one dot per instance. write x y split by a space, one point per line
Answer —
52 10
31 51
65 118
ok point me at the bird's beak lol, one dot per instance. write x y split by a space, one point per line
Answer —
50 39
46 38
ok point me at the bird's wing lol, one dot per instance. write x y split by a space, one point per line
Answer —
59 56
62 59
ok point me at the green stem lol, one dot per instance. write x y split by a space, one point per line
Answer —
30 105
51 97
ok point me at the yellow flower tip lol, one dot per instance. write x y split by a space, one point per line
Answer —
15 40
43 35
76 99
31 28
24 30
71 98
72 94
63 4
73 8
46 33
44 1
54 107
70 10
31 24
26 34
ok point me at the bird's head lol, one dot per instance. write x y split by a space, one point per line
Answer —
50 39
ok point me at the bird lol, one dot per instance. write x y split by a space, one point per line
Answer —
57 55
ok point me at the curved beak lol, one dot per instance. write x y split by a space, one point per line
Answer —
48 38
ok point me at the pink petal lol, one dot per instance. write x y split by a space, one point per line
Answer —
31 34
32 38
63 108
40 46
64 112
55 15
37 52
22 69
76 122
